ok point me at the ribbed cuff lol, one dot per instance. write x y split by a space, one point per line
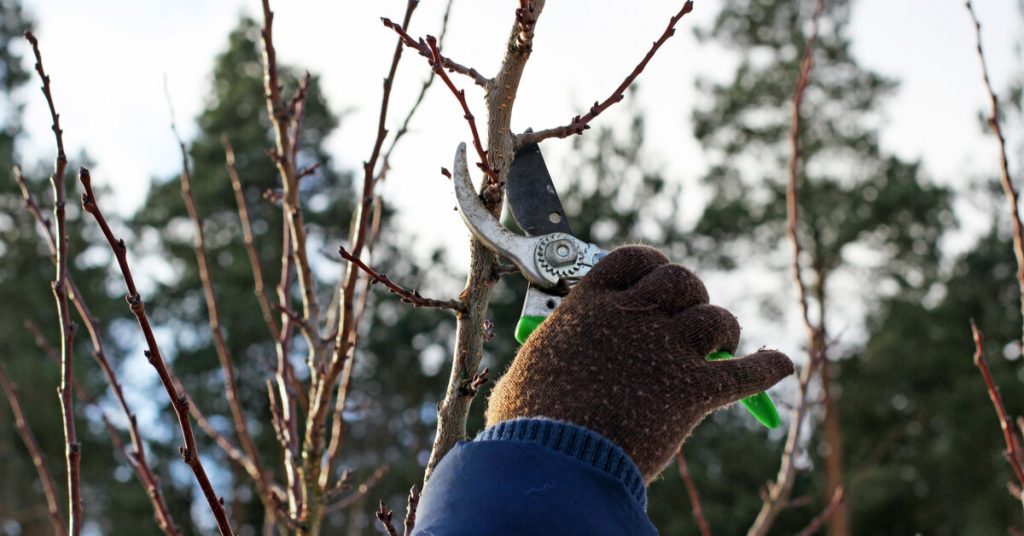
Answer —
577 442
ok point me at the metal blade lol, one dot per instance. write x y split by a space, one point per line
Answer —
532 197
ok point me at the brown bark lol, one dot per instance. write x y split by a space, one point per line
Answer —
501 95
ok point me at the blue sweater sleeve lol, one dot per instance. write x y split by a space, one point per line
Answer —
534 476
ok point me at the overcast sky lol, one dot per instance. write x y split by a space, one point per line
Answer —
108 60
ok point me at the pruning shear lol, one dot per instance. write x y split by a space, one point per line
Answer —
550 256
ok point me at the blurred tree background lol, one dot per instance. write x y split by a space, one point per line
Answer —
921 446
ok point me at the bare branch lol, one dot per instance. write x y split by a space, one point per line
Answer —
250 245
384 515
1014 452
401 132
72 451
691 491
361 491
424 50
469 334
260 477
179 401
460 95
779 491
410 510
1005 180
347 332
831 508
581 122
29 439
283 118
137 455
412 297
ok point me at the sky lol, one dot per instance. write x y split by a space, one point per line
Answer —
109 60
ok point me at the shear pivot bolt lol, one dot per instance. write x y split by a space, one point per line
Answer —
560 252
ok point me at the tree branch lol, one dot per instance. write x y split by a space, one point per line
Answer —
410 510
1014 453
831 508
29 439
260 477
1004 167
72 451
282 117
581 122
423 49
469 333
401 132
691 492
384 515
179 401
250 245
361 491
779 491
136 456
412 297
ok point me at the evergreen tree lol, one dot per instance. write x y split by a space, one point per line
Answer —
861 208
926 456
235 108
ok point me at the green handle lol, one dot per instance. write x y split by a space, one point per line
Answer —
759 405
525 327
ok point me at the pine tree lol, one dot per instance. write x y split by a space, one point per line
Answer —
862 209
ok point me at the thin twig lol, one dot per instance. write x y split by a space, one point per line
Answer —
1005 180
410 510
250 245
424 50
820 520
260 477
347 332
581 122
412 297
73 449
179 401
691 492
384 515
778 492
404 129
338 418
282 117
29 439
1014 453
137 455
460 95
361 490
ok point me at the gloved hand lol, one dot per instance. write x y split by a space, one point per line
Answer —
624 356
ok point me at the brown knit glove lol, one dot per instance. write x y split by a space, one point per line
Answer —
624 356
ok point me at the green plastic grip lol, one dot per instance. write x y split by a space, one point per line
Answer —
759 405
525 327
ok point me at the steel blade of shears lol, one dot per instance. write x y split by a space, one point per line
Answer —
532 197
537 209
